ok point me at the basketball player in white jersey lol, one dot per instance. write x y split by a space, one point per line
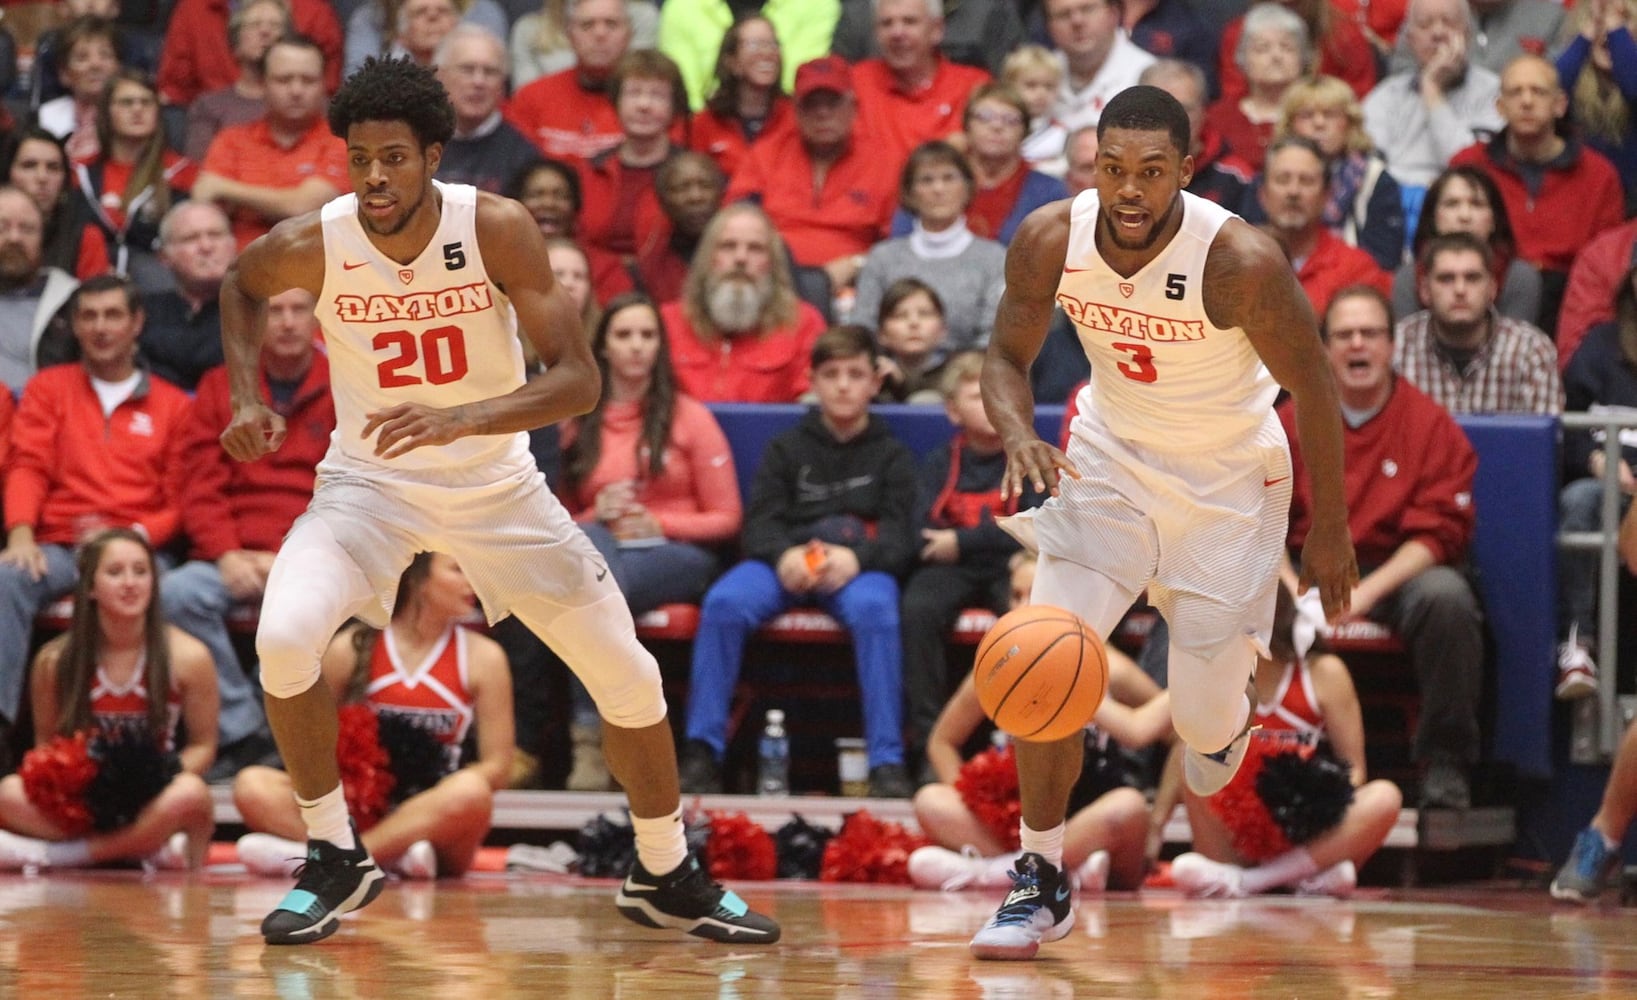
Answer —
1177 476
421 287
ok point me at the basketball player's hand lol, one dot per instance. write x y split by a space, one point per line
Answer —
1034 463
254 431
840 567
408 426
1328 563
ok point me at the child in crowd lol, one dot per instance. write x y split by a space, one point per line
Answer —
828 525
963 552
1104 841
98 677
1035 73
911 321
427 671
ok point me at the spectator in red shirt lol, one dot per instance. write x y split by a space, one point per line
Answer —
622 210
747 102
130 185
1343 49
95 447
827 189
690 191
1274 51
911 93
235 514
1295 189
1559 193
1594 281
197 58
287 163
569 114
739 333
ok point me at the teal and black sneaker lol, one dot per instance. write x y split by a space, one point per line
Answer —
1039 908
1587 871
329 883
688 900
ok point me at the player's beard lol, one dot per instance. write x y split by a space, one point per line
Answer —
403 220
1154 229
734 302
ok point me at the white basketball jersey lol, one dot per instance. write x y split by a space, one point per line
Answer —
434 331
1162 375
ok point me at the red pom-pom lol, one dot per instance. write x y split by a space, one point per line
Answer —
366 771
739 848
1256 836
988 786
55 777
868 850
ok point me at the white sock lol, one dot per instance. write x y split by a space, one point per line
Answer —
1286 869
326 818
67 854
661 846
1046 843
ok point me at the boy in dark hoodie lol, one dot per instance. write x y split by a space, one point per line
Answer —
963 553
828 525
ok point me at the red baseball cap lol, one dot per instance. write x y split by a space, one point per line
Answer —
824 73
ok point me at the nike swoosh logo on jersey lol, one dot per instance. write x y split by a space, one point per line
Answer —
1075 270
348 266
1274 482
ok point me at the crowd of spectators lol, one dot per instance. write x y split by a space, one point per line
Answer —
781 201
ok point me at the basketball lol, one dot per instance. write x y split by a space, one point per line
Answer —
1040 673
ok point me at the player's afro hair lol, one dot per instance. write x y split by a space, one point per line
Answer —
394 90
1147 109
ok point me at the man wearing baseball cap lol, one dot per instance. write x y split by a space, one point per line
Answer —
829 192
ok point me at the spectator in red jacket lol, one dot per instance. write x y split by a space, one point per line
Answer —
198 59
1273 53
251 31
1594 281
1343 49
568 114
94 447
748 102
1295 190
1559 193
739 333
235 514
1409 503
911 92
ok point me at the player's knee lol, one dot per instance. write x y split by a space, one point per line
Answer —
629 693
289 660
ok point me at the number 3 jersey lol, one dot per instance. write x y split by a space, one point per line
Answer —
436 331
1162 376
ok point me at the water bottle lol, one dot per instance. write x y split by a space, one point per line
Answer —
773 772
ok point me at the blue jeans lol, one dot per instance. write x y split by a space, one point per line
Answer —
748 595
1580 508
195 600
671 573
21 598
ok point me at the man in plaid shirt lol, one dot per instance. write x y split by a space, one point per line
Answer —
1460 351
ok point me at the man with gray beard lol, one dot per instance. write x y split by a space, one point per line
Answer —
739 333
32 333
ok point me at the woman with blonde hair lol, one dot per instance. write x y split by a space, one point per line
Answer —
1364 208
1598 70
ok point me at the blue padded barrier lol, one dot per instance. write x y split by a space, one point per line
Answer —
1514 551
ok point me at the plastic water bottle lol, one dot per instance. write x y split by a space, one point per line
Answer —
773 772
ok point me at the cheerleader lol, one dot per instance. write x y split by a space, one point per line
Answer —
426 675
99 680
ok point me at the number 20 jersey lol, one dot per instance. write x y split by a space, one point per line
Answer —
436 331
1162 376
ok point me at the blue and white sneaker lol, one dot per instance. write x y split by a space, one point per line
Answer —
1039 908
329 883
688 900
1587 871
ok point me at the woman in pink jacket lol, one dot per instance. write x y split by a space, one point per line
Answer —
648 473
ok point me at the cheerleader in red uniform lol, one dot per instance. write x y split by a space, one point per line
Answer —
99 678
1299 702
428 671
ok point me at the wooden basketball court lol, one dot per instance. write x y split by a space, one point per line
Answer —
493 936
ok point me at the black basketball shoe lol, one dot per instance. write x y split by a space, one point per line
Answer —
329 883
688 900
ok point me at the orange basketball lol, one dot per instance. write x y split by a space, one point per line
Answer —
1040 673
